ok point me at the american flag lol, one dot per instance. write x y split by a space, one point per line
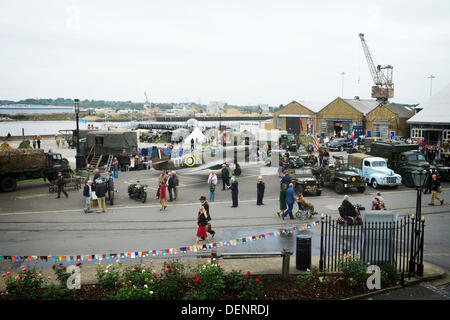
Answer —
316 143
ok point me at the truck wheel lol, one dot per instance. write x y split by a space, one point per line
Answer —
374 183
408 181
8 184
339 187
144 197
361 189
318 192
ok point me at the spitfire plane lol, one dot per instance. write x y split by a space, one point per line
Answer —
205 158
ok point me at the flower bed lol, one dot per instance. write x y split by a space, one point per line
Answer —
208 281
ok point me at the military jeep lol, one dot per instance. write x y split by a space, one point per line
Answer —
340 176
304 180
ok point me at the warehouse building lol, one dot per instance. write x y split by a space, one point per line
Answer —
432 123
341 115
297 117
388 120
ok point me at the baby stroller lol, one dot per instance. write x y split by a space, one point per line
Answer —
304 212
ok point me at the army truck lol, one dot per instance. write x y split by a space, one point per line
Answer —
401 157
304 180
374 170
289 141
340 176
99 147
22 164
443 166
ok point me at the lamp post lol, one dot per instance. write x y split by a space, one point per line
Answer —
419 177
431 84
342 74
78 162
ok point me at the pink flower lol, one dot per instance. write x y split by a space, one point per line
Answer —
17 278
35 262
133 269
8 273
246 277
248 273
3 274
154 276
170 270
143 265
168 266
351 279
48 277
78 264
256 280
197 279
40 276
122 279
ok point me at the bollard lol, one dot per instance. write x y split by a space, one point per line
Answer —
286 264
303 254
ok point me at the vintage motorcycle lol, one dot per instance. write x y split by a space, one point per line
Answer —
138 191
347 220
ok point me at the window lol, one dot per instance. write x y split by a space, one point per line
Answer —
279 122
367 163
417 133
379 164
446 135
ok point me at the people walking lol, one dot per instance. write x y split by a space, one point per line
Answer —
162 194
192 144
60 182
176 183
87 193
225 177
435 189
286 179
234 192
212 182
115 165
38 140
209 229
290 200
283 206
34 143
202 222
170 186
100 192
260 188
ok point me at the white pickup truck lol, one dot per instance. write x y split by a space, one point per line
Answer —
374 170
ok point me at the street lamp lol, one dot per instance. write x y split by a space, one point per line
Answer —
431 84
78 160
419 178
342 74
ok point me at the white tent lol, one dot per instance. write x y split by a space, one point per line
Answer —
197 135
435 109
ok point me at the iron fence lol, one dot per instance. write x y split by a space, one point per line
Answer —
399 243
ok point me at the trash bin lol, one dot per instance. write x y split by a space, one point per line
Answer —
303 253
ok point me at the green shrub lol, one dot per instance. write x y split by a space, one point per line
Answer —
388 272
25 285
353 269
172 281
252 288
208 282
108 279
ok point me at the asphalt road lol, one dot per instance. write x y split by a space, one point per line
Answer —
32 222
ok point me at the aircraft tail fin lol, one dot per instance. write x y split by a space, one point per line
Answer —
158 155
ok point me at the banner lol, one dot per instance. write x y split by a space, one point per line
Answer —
170 251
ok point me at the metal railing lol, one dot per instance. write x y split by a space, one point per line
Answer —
399 243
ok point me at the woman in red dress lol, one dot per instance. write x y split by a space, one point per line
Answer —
202 222
162 195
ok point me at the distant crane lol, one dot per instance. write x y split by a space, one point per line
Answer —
381 75
148 106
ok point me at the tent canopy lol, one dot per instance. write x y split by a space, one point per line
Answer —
197 135
435 109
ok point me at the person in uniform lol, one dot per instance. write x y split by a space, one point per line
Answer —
260 188
60 183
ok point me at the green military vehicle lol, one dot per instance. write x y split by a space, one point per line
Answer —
288 142
401 157
340 177
304 180
99 147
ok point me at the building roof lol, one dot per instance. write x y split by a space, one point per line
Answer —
401 111
435 110
362 105
314 106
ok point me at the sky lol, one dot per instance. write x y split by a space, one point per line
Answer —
243 52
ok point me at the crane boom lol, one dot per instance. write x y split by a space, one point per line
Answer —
381 75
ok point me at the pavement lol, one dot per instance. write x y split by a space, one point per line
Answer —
32 223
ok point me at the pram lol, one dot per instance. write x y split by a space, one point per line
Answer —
304 212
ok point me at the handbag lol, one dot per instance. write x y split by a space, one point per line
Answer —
208 227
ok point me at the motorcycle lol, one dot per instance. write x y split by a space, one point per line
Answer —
138 191
348 220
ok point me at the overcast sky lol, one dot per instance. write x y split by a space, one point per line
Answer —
240 52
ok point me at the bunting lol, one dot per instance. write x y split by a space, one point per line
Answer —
163 252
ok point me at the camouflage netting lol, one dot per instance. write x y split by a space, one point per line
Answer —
18 160
25 144
305 140
6 146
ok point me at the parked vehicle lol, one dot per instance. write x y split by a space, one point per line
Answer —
304 180
340 176
443 166
374 170
138 191
346 220
401 157
340 144
22 164
147 137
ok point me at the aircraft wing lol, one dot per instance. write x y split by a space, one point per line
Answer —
208 165
158 162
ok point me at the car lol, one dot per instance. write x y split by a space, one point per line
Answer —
340 144
304 180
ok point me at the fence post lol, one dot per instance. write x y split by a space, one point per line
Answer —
286 264
321 243
421 232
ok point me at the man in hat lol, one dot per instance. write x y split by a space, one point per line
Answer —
206 206
225 177
234 192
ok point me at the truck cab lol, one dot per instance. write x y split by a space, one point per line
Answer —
376 172
288 140
54 163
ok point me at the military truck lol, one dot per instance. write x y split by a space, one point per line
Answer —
374 170
340 176
401 157
99 147
22 164
147 137
289 141
443 166
304 180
